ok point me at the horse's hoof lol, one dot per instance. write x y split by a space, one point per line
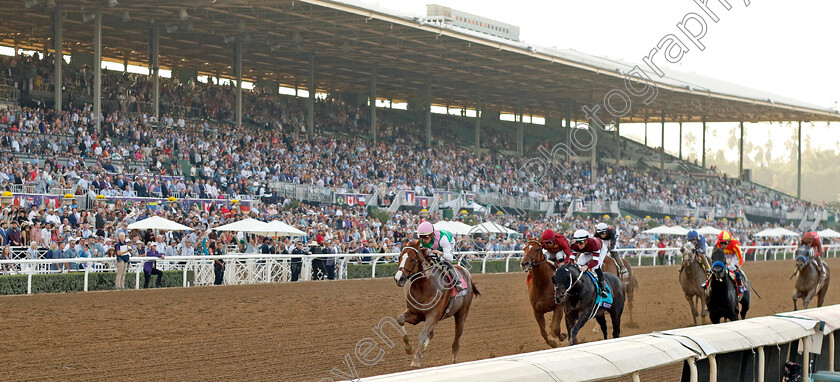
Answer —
415 364
409 351
563 336
553 343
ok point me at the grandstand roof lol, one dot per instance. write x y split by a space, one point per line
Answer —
349 39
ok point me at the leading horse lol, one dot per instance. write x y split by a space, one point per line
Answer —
808 282
692 275
722 300
429 298
579 293
541 290
629 282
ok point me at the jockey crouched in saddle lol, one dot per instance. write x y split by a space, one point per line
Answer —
609 234
734 259
553 244
814 243
589 253
699 247
441 243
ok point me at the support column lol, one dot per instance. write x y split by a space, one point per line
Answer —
520 128
477 122
593 158
58 37
741 152
662 149
680 140
799 162
237 54
310 102
125 63
373 104
618 140
704 141
646 145
154 60
428 112
97 70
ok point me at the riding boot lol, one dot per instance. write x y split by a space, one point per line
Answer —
739 282
619 263
820 270
601 283
453 275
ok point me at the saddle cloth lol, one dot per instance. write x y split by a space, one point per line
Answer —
605 302
463 282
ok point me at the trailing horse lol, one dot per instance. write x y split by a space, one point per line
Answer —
808 283
430 297
692 275
579 293
629 282
722 299
541 290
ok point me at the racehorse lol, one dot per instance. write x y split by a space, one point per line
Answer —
722 300
579 294
692 275
428 298
629 282
541 290
808 282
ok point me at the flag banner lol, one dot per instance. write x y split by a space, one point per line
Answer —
409 197
424 202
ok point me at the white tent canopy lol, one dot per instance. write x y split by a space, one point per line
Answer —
158 223
458 204
665 230
456 228
707 230
246 225
277 228
776 232
491 227
829 233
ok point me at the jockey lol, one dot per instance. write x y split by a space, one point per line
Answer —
814 243
441 243
699 246
553 244
607 233
589 253
732 250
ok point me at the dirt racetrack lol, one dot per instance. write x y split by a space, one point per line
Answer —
294 332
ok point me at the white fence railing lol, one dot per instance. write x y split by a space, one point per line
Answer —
261 268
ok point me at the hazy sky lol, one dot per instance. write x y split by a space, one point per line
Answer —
778 46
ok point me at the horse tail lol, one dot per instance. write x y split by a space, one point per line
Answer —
475 290
634 281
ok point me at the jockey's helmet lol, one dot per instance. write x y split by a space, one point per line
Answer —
692 235
808 238
601 228
724 238
580 236
548 236
425 229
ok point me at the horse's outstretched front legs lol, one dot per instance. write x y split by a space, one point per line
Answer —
423 340
460 318
555 323
411 318
541 323
694 314
578 324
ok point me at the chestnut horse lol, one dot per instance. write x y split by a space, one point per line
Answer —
808 283
428 298
541 290
629 282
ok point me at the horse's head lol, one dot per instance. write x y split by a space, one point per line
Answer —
412 257
719 270
563 280
803 254
688 251
533 255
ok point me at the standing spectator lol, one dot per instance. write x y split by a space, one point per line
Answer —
122 253
297 261
330 263
218 264
150 267
319 267
661 253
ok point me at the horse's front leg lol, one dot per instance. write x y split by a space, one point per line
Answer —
411 318
555 323
578 325
541 322
694 314
423 340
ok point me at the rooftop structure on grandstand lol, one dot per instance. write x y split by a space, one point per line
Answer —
440 15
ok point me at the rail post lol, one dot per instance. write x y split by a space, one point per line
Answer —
373 268
29 279
87 273
484 264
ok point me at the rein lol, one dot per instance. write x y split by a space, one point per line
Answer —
571 284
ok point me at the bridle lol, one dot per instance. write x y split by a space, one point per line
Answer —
568 291
534 262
